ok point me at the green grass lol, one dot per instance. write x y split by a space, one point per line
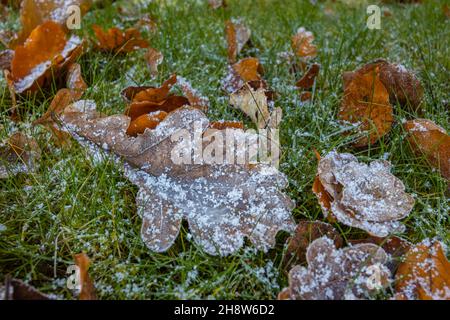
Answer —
71 204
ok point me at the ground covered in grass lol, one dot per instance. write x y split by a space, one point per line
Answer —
71 204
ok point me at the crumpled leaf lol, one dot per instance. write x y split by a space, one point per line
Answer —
87 291
253 103
364 196
19 154
34 13
424 274
308 79
154 58
223 203
118 41
15 289
338 274
305 233
366 103
46 51
6 57
237 35
428 139
302 44
245 70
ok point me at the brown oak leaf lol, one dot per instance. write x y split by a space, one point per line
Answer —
87 290
364 196
223 202
237 35
428 139
118 41
338 274
302 44
424 274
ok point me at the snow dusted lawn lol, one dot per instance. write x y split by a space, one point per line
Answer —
73 204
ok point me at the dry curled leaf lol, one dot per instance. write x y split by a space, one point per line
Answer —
153 58
34 13
366 103
308 79
19 154
302 44
15 289
118 41
364 196
305 233
338 274
245 70
253 103
237 35
75 81
223 203
428 139
47 51
87 290
424 274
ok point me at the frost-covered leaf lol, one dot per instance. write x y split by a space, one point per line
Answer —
153 58
253 103
302 44
237 35
87 290
355 272
47 51
305 233
428 139
364 196
34 13
19 154
223 203
424 274
245 70
366 103
118 41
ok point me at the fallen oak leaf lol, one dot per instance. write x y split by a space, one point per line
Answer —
302 44
115 40
75 81
308 79
149 120
364 196
305 233
153 58
253 103
237 35
87 290
19 154
32 65
424 274
338 274
245 70
223 203
428 139
34 13
366 103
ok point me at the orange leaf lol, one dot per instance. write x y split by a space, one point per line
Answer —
366 101
425 273
151 120
237 35
302 44
87 286
156 94
222 125
119 41
307 81
427 138
75 81
249 69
